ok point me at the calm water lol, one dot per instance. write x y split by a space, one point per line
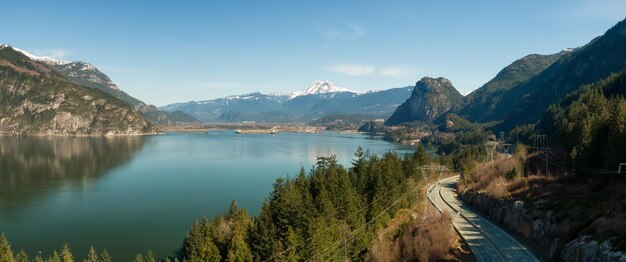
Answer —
131 194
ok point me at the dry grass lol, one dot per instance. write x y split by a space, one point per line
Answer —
432 238
494 177
581 204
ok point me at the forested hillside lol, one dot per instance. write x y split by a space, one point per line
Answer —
590 124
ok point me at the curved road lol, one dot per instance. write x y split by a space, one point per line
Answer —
487 241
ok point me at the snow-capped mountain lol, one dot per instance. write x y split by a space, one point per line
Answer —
320 87
77 71
85 74
319 99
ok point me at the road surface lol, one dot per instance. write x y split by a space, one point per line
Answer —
487 241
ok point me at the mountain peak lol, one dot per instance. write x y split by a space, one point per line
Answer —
45 59
430 98
323 87
320 87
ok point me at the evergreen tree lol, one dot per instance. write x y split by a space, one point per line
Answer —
92 255
238 250
6 254
138 257
263 234
292 245
66 254
54 257
105 257
21 256
149 257
38 258
198 244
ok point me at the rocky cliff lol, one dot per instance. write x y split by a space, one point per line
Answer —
540 228
36 100
430 98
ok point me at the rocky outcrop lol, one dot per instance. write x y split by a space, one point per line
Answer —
35 100
431 98
540 228
586 249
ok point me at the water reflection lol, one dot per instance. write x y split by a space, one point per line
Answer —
33 166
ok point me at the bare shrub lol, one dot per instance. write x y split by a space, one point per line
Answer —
436 239
497 188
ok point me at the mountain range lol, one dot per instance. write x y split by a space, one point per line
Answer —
321 98
521 92
52 96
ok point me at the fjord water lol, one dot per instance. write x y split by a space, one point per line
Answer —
131 194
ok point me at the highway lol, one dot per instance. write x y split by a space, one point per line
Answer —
487 241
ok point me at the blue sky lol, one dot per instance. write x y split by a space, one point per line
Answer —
174 51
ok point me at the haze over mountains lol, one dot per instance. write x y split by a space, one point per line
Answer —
321 98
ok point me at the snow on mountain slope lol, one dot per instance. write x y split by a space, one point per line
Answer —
318 88
78 71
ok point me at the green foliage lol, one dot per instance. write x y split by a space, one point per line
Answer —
92 255
238 249
481 103
149 257
198 244
105 257
341 122
21 256
591 124
54 257
6 254
66 254
330 213
54 96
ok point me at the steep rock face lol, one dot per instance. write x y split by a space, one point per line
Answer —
36 100
540 227
430 98
85 74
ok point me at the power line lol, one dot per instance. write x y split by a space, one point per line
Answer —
336 224
354 232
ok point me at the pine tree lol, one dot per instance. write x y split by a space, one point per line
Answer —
66 254
38 258
263 234
6 254
54 257
105 257
138 257
292 245
21 256
198 244
149 256
238 250
92 255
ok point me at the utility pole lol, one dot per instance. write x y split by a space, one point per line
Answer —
490 147
422 168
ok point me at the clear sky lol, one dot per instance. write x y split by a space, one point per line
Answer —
174 51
